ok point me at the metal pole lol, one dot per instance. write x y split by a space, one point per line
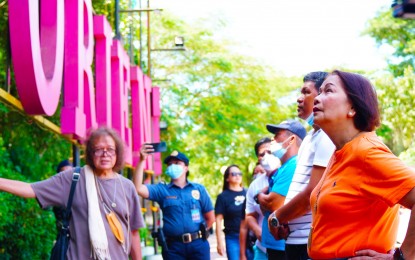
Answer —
131 37
117 19
148 41
141 36
76 155
8 61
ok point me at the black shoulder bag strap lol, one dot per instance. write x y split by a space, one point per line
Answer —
62 242
68 210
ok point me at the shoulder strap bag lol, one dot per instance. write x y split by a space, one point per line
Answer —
62 242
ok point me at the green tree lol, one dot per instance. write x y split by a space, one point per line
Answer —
397 99
399 34
216 103
395 87
27 153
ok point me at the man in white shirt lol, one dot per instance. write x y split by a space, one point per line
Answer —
313 157
254 216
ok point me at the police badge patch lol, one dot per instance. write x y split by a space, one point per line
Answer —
196 194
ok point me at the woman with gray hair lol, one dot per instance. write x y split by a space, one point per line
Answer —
106 211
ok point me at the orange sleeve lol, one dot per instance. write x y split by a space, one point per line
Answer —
388 178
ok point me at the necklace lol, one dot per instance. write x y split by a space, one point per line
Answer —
113 204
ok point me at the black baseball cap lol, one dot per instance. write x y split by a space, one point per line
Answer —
291 125
178 156
63 164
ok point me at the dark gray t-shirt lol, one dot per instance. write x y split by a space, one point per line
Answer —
55 192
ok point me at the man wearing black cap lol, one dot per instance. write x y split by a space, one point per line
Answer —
186 206
288 136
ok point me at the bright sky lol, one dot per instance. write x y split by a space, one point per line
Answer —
294 37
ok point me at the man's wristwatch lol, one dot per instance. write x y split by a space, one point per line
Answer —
274 220
398 255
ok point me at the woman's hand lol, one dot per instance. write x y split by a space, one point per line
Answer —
221 249
367 254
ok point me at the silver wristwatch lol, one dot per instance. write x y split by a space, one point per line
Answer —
274 221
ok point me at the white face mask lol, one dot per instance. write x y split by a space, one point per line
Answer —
277 149
270 162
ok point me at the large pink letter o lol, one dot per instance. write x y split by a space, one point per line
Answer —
37 53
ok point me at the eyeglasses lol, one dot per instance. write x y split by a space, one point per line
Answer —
236 174
100 151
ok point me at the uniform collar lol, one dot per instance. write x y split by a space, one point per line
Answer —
171 184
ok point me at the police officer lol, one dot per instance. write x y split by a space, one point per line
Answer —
186 206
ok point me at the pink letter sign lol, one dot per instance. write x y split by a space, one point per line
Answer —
103 41
78 110
37 57
138 108
120 67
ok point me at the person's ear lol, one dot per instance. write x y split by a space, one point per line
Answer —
351 112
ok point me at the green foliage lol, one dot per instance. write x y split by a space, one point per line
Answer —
26 231
27 153
408 156
396 87
216 103
397 99
399 34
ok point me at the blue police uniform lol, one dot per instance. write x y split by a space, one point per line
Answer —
183 210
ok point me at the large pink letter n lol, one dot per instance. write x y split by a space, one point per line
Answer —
37 53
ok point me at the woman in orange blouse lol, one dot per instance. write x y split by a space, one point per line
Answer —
355 205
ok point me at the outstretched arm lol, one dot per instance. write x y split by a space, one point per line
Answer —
19 188
142 190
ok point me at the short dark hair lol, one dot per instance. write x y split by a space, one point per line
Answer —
260 142
256 165
119 147
62 164
362 95
317 77
226 175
